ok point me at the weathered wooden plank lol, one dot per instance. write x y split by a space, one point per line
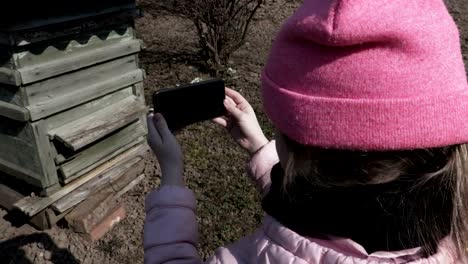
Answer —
9 76
11 94
57 50
44 220
119 183
130 186
91 107
33 205
50 190
11 103
8 197
138 90
14 112
94 163
19 172
93 186
45 154
43 91
78 60
88 93
18 155
85 160
90 128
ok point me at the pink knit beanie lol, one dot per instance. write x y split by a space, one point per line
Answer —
368 75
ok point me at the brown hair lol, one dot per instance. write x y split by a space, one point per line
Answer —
442 171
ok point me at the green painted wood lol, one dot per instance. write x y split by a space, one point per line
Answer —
60 49
60 103
33 205
11 95
10 77
90 128
84 58
139 91
18 155
139 142
101 151
43 91
12 102
8 197
20 172
89 108
45 153
93 185
14 112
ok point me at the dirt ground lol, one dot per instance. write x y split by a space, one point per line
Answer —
228 206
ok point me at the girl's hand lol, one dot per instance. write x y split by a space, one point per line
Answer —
167 150
241 122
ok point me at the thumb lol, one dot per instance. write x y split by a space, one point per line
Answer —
154 136
232 109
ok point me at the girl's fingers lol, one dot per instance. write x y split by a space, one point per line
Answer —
231 101
232 109
235 96
161 126
220 121
152 131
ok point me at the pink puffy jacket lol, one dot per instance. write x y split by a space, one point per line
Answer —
171 233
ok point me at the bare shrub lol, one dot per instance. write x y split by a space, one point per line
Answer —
222 27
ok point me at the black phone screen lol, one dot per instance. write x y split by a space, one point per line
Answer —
184 105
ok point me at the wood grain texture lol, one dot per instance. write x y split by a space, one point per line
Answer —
18 152
19 172
10 77
88 129
14 112
94 185
8 197
91 157
89 108
97 163
74 45
45 154
33 205
77 61
12 102
46 90
131 185
77 97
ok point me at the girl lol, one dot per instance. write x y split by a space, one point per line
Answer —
370 102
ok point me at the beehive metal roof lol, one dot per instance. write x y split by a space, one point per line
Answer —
26 14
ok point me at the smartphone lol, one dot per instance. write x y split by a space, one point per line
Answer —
191 103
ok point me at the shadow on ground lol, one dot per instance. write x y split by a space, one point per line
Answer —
11 250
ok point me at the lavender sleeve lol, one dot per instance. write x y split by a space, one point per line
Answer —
171 230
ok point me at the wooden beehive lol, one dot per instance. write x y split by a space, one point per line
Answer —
71 93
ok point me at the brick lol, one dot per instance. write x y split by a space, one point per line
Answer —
107 223
91 212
